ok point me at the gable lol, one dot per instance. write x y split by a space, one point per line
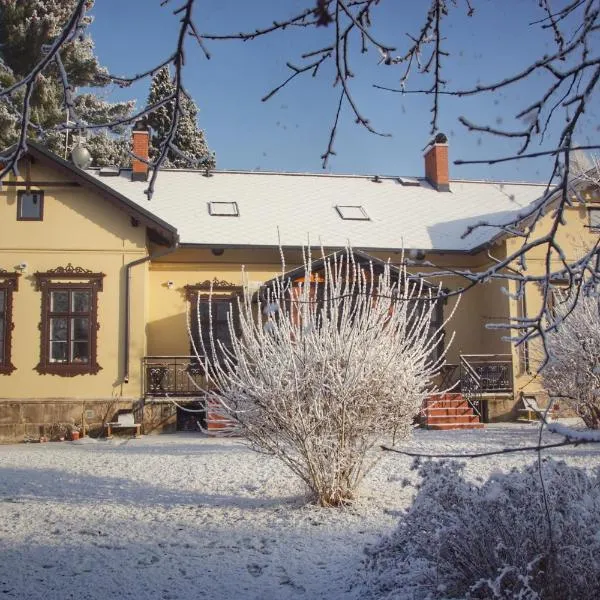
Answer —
79 200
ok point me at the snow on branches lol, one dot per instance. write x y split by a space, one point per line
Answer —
465 540
573 373
317 369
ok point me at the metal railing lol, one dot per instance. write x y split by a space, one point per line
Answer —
492 372
178 376
484 374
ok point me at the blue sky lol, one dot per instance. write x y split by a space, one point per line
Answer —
291 131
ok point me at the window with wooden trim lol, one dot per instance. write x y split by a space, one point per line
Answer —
8 284
207 317
69 321
594 217
30 205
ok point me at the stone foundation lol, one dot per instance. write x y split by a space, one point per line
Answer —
501 408
159 417
29 419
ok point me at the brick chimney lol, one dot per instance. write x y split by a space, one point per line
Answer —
140 137
436 163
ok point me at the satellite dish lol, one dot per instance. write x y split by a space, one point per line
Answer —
81 156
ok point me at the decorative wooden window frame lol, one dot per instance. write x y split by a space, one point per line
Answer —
9 283
20 195
68 278
223 291
218 286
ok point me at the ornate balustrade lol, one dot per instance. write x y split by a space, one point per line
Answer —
178 376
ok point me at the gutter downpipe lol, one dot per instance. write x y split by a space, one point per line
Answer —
128 267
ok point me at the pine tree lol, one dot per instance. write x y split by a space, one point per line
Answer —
189 139
25 27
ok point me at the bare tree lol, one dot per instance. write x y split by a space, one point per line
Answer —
318 371
573 372
550 118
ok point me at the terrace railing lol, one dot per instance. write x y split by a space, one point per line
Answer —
177 376
484 374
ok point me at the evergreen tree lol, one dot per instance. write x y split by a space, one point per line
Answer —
25 27
189 139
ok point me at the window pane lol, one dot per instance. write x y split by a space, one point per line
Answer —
1 339
80 302
58 329
595 218
58 351
80 352
2 300
30 206
59 301
222 311
80 329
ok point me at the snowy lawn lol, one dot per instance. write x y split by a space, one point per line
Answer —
183 516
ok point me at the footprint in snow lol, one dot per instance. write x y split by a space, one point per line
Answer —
254 570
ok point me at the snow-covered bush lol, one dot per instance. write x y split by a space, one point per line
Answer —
322 366
573 372
492 541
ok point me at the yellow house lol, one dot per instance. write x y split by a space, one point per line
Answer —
96 280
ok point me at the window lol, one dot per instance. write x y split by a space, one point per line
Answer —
594 214
223 209
30 206
69 321
8 283
215 313
352 213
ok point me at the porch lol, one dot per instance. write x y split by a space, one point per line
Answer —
476 378
174 387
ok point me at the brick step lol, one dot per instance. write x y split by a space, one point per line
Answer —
445 426
449 395
456 419
440 411
448 404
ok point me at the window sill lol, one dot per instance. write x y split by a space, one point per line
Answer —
68 370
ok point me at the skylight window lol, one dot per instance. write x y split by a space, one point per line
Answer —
352 213
223 209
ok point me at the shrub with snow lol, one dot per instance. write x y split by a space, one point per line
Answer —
573 372
492 541
322 367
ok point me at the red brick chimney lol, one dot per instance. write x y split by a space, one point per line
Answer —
140 137
436 163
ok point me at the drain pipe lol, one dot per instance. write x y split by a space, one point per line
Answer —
128 268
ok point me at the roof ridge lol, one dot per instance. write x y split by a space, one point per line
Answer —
202 172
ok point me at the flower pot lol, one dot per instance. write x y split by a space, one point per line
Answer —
74 435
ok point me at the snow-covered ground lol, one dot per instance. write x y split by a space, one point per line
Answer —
183 516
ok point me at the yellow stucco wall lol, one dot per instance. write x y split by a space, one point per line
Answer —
167 325
81 228
574 237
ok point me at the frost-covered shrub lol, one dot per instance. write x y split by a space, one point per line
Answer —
461 540
572 374
323 366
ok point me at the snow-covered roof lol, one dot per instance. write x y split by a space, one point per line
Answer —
296 209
